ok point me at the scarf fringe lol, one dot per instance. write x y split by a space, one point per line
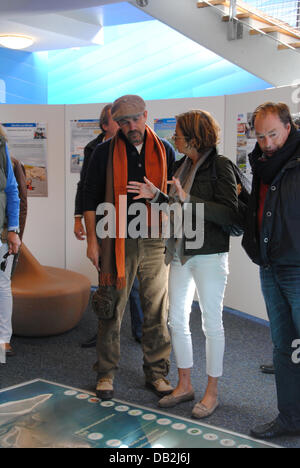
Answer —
109 279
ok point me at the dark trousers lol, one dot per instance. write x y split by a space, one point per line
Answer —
136 311
281 290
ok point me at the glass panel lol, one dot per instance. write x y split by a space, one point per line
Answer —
287 11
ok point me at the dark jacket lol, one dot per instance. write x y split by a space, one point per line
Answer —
88 151
278 242
215 186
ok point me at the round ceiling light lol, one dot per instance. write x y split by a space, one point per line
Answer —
13 41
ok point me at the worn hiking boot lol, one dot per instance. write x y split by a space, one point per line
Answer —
160 387
105 389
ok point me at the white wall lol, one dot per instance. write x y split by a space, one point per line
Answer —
45 228
49 231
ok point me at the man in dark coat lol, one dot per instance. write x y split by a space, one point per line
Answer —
272 241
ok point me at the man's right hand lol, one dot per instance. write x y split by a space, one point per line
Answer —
93 252
79 230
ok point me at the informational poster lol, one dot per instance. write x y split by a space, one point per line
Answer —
27 142
246 141
165 128
82 132
41 414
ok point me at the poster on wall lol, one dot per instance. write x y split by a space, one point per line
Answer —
165 128
246 141
81 133
27 142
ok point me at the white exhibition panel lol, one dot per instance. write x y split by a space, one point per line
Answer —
45 227
49 230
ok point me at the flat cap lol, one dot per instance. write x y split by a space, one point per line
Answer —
127 106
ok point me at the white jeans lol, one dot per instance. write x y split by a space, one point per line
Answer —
208 275
5 297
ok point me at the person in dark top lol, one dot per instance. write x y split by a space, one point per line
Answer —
136 151
109 128
201 266
271 240
269 368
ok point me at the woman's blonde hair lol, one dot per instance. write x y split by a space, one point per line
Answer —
3 132
200 129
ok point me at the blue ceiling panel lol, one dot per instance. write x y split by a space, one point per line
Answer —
146 58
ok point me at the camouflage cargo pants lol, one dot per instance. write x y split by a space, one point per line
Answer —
144 258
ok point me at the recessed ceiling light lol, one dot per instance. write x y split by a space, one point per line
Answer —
13 41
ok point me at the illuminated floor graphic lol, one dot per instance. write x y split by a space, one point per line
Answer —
45 414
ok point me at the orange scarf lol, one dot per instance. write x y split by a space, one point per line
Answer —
113 265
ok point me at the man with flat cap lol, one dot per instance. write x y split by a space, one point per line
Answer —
134 153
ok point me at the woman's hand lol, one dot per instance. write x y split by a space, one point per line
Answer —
180 192
146 190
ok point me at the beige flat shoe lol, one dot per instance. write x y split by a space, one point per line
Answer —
200 411
170 401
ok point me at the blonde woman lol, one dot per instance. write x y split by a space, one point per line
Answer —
202 176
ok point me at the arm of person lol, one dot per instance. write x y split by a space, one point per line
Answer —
93 195
93 248
20 175
12 207
79 229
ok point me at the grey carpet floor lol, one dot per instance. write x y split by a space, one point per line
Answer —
247 396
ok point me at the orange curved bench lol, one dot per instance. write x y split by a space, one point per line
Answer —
46 301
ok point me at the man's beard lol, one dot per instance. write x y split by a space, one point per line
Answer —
135 137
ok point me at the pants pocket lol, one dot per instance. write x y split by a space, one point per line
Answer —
103 302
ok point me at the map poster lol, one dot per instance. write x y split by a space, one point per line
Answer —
41 414
165 128
27 142
246 142
81 133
